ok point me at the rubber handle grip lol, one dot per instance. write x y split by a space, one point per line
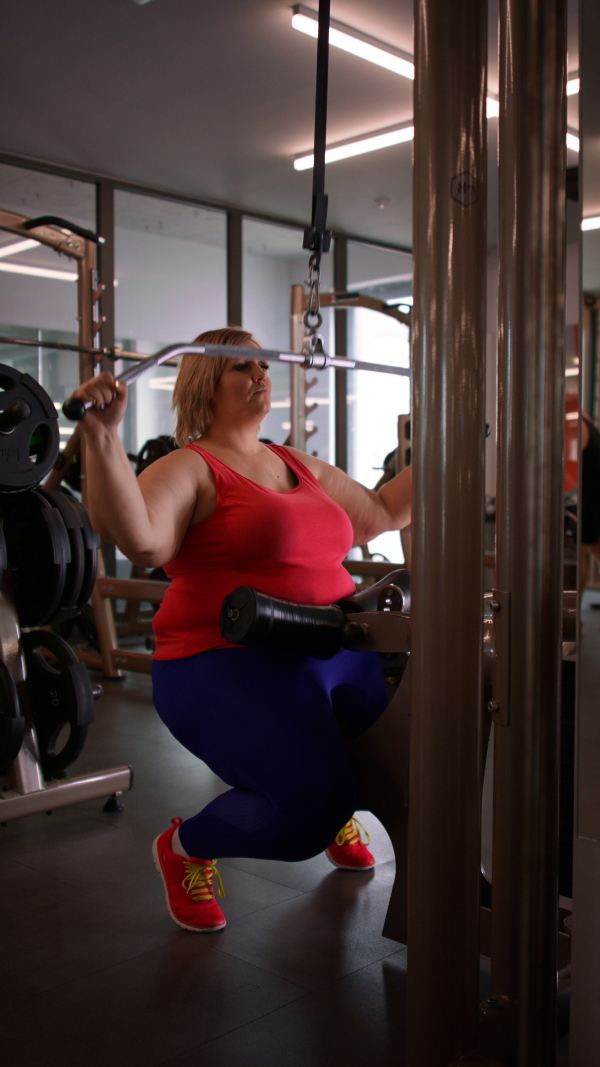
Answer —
249 617
74 409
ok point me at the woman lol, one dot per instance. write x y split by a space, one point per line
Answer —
226 510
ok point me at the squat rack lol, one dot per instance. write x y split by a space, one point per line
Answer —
29 793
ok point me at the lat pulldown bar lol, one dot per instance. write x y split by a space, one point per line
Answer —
75 409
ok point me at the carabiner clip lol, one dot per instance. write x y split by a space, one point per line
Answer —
313 352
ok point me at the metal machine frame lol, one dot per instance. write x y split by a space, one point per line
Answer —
27 792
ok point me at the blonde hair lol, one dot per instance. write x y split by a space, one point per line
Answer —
197 380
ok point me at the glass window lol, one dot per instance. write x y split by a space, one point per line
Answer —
38 288
376 400
171 276
273 261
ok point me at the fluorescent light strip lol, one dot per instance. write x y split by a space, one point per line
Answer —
572 141
17 246
357 148
370 283
593 223
358 44
38 272
372 143
369 48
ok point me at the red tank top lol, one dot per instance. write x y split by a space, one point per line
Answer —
285 544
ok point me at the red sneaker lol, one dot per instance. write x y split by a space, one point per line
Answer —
188 886
348 851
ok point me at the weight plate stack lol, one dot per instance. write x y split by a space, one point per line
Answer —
60 696
29 437
12 723
73 521
91 544
39 553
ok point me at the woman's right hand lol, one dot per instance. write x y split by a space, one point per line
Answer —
109 401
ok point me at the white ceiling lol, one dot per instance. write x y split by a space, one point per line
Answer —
214 98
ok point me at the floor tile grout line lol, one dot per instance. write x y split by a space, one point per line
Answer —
110 967
304 892
29 997
360 967
234 1029
273 1011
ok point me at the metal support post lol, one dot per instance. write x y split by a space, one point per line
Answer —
86 292
297 372
447 529
340 284
529 534
105 226
105 222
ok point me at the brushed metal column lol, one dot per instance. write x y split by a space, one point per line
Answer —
532 130
447 528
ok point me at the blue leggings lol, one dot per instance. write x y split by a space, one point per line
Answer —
271 725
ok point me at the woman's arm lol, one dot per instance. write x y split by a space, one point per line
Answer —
146 518
370 512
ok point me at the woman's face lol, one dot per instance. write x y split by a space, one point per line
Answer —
243 391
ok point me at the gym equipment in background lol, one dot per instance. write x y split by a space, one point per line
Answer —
48 563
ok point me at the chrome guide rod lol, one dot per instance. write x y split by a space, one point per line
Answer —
450 154
529 531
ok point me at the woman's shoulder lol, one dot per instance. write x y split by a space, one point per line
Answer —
182 464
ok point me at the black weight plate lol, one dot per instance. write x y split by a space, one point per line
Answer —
60 695
12 723
76 568
39 553
28 450
91 542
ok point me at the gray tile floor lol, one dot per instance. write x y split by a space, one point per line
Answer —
96 974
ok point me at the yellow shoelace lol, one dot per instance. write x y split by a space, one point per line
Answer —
198 881
350 834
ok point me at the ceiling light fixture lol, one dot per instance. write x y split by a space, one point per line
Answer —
385 139
38 272
573 84
572 141
355 42
17 246
593 223
360 44
371 143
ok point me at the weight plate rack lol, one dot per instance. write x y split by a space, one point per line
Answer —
48 566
